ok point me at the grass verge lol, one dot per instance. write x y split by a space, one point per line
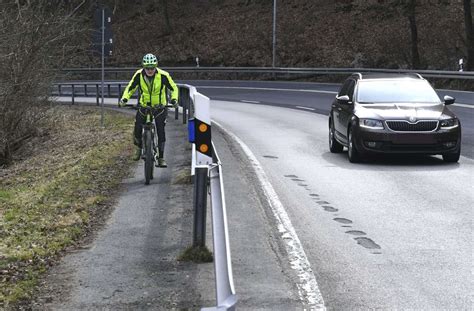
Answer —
198 254
54 197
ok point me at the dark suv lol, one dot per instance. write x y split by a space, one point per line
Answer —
392 113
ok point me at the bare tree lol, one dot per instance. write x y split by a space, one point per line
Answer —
164 6
35 38
469 34
411 14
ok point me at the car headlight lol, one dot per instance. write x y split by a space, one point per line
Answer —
371 123
449 124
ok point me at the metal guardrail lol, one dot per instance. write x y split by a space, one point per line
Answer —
211 176
225 292
113 89
444 74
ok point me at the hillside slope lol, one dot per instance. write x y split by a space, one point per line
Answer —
315 33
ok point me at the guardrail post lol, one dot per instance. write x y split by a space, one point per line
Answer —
108 90
203 160
59 90
180 102
72 95
97 94
119 92
85 89
176 112
185 107
200 207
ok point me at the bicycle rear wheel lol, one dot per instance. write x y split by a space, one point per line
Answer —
148 158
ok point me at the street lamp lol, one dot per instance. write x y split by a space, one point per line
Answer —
274 32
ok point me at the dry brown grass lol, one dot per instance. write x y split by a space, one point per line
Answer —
55 191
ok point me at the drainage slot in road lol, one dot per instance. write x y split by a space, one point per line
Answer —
322 202
367 243
314 195
297 179
343 220
291 176
270 157
331 209
356 232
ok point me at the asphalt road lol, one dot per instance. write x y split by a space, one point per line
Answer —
392 234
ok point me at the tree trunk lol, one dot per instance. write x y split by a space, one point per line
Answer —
469 35
415 55
164 4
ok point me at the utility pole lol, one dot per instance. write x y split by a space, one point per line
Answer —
274 32
103 69
102 43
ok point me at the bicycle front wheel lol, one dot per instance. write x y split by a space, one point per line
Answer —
148 157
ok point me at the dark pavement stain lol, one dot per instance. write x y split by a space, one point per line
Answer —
331 209
297 179
367 243
314 195
270 157
302 185
356 232
346 226
343 220
322 202
291 176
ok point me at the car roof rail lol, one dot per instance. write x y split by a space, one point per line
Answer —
358 74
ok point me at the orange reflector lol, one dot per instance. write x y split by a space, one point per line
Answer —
202 127
203 148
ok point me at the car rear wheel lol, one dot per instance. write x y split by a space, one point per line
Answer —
334 145
352 152
452 157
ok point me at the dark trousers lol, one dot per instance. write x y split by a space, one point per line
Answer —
160 115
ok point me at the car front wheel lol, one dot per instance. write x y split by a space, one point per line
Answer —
334 145
452 157
352 153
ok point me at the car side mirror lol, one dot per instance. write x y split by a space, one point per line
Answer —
448 100
343 99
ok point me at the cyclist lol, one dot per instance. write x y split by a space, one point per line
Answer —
153 83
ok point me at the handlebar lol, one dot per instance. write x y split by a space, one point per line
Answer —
147 106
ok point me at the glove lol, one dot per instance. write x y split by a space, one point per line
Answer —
174 102
123 102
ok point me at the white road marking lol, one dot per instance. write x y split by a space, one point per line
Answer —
250 101
264 89
308 289
464 105
306 108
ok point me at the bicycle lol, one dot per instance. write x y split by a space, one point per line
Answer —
150 142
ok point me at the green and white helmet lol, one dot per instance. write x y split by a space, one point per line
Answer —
149 61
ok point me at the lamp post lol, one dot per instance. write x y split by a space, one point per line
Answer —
274 32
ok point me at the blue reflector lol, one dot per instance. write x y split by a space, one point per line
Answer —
191 130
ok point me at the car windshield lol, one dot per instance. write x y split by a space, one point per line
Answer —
396 91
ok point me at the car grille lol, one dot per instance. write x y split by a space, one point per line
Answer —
405 126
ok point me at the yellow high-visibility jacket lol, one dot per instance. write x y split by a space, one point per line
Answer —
152 89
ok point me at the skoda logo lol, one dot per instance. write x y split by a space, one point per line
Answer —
412 119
